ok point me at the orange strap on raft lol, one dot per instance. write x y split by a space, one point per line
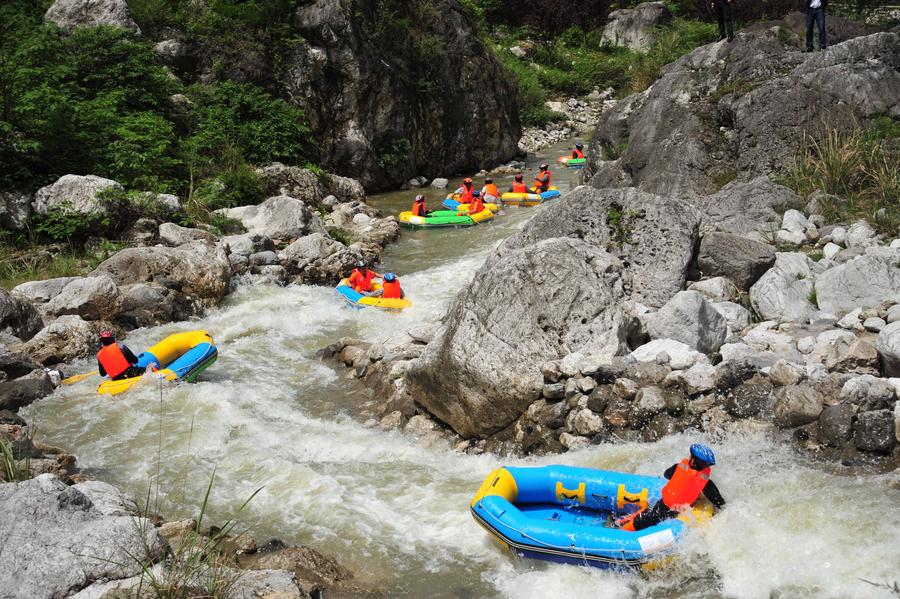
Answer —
627 522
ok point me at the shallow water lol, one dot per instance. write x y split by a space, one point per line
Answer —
268 415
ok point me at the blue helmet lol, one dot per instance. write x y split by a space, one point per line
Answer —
476 194
389 276
703 453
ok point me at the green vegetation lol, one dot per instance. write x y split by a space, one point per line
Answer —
577 61
857 169
619 221
15 458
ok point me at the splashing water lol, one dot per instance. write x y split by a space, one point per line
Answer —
395 511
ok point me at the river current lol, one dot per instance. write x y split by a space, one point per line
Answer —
269 415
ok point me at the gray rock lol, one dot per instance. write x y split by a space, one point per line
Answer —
839 235
15 364
794 221
861 357
888 345
318 258
244 245
860 234
698 379
585 422
15 208
863 282
279 217
41 292
64 339
737 316
783 292
797 405
789 238
831 250
717 289
263 258
868 393
636 28
439 183
835 425
739 259
681 355
24 390
92 298
107 499
750 399
648 402
64 543
637 226
785 374
70 14
893 313
689 318
874 431
18 317
746 209
174 235
575 306
850 321
573 442
74 192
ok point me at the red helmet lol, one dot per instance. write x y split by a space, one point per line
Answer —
107 335
420 198
467 181
544 166
519 176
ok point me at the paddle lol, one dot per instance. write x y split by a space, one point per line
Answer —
79 377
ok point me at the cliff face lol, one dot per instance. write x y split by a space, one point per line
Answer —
396 91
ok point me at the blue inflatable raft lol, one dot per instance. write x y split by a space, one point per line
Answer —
531 198
565 514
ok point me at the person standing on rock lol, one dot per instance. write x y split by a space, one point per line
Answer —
543 178
115 360
490 192
724 16
815 12
687 480
518 185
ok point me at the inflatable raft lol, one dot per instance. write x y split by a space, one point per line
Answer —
572 162
565 514
453 204
181 356
529 199
443 218
358 299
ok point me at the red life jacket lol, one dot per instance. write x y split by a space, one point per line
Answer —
685 486
465 195
576 153
490 190
361 282
391 290
418 209
476 206
539 184
519 188
113 360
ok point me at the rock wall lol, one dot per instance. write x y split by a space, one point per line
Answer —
383 117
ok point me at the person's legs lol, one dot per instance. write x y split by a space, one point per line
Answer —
810 17
653 516
720 16
820 18
729 21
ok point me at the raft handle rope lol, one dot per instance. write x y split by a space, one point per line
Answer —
550 545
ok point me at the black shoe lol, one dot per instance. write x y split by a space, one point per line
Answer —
721 37
822 49
809 49
730 39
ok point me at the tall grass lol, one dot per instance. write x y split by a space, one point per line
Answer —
13 469
859 170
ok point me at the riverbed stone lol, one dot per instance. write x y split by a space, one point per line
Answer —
797 405
681 355
77 193
92 298
18 317
860 357
64 542
888 346
741 260
697 379
65 338
636 28
688 317
584 422
863 282
784 373
716 289
737 316
750 399
783 292
279 217
22 391
868 392
648 402
41 292
174 235
835 425
874 431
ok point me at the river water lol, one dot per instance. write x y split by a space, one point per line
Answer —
269 415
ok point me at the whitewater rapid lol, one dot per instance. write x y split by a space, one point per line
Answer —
269 416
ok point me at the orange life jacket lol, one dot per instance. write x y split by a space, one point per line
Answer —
685 486
519 188
391 290
418 209
576 153
113 360
476 206
539 184
361 282
490 190
465 195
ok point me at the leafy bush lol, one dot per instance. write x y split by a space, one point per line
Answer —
392 151
62 223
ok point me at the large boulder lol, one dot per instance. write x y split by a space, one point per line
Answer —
732 109
797 405
746 208
22 391
78 193
279 217
15 208
635 28
41 292
345 72
784 292
304 184
318 259
199 269
654 236
690 318
495 338
92 298
863 282
739 259
63 542
888 345
174 235
66 338
18 317
14 364
874 431
69 14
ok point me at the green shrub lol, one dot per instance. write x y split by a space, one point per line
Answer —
392 151
62 223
